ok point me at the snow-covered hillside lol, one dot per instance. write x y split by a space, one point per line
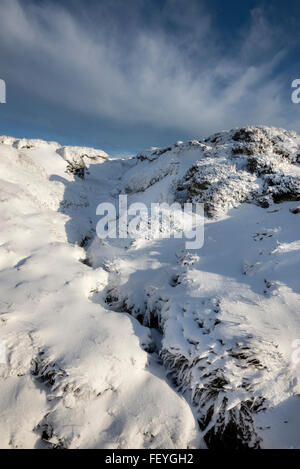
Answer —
124 343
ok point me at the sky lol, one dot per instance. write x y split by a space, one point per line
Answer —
126 75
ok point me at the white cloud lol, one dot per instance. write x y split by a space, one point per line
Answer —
165 79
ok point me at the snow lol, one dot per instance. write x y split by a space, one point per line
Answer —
141 343
66 380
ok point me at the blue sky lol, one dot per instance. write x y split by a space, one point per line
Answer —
124 76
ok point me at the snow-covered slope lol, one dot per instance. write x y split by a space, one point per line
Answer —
142 343
76 374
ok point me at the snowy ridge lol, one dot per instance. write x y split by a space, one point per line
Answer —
205 335
64 382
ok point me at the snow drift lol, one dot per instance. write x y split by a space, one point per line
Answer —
141 343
